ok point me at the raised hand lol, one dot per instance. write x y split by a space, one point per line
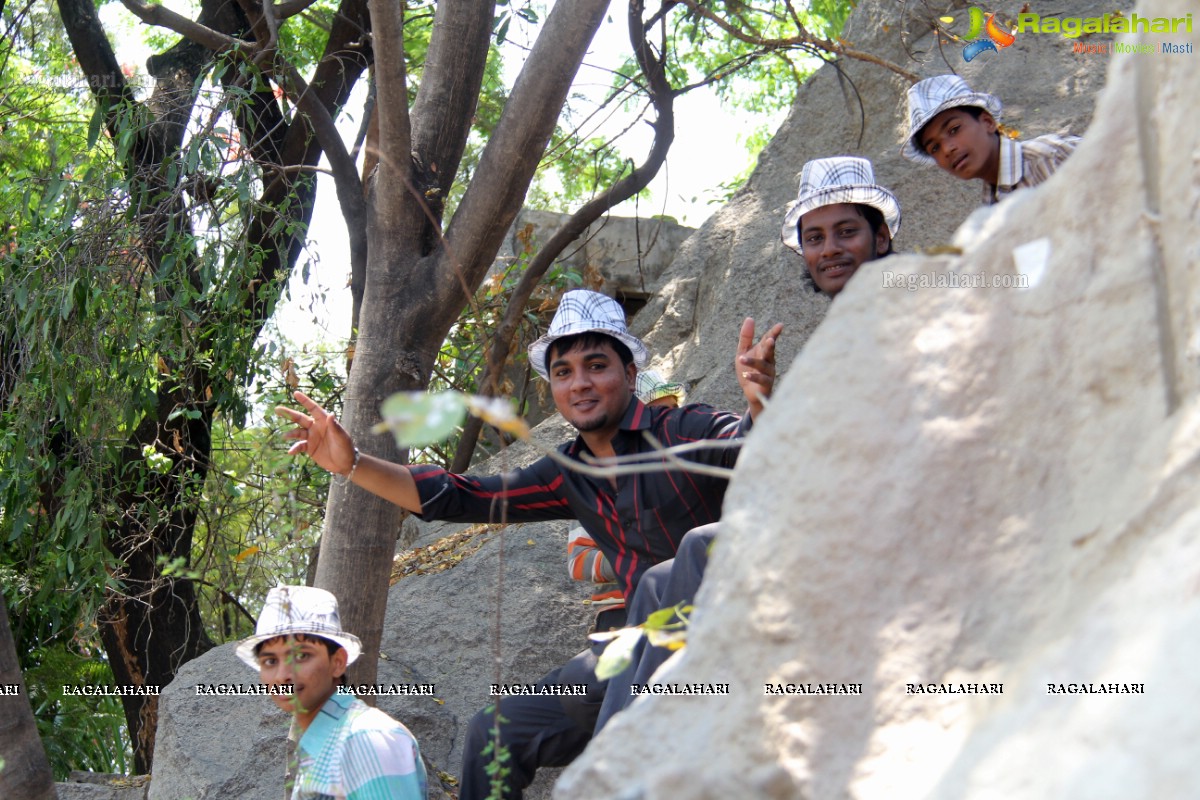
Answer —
318 434
755 364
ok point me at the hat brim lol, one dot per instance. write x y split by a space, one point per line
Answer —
988 102
349 642
538 350
867 194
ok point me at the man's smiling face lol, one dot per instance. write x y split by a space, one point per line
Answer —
836 240
591 386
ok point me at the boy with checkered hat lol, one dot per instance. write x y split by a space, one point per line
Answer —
958 129
344 748
840 220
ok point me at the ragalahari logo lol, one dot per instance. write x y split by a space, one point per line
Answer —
995 36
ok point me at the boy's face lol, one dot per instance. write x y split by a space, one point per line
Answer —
307 667
836 240
591 387
962 145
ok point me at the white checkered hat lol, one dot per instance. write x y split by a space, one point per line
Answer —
651 386
932 96
299 609
841 179
581 311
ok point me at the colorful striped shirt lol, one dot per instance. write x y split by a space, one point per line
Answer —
637 525
356 752
1028 163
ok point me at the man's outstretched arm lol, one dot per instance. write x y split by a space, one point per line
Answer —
326 442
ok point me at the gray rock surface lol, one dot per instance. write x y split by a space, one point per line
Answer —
442 627
95 786
989 486
217 747
628 254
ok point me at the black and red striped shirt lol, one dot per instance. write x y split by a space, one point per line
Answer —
637 525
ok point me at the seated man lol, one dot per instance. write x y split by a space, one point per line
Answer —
841 220
346 749
959 130
585 562
591 362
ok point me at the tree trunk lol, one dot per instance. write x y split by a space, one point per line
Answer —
24 771
416 284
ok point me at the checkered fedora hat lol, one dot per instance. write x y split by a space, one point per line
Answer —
651 386
841 179
932 96
299 609
581 311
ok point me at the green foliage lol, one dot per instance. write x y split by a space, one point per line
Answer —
78 731
98 324
755 77
497 768
666 627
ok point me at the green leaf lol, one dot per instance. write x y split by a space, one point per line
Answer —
619 653
419 419
94 126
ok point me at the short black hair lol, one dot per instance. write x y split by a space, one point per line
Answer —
875 221
565 344
330 645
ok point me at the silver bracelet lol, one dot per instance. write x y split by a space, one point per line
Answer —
354 466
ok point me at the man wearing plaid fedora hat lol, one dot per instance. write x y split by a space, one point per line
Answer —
591 362
840 220
344 748
959 130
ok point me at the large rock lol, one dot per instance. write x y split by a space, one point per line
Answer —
988 486
735 266
210 747
629 254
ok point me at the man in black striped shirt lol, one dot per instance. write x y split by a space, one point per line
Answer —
591 362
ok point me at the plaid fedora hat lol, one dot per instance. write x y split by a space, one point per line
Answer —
583 311
932 96
651 386
841 179
299 609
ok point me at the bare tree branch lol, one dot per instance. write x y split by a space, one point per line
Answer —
163 17
803 38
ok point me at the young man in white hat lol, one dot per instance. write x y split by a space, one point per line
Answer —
841 220
591 362
585 561
959 130
345 748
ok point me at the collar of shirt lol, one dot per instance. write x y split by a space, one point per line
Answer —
325 723
1008 173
